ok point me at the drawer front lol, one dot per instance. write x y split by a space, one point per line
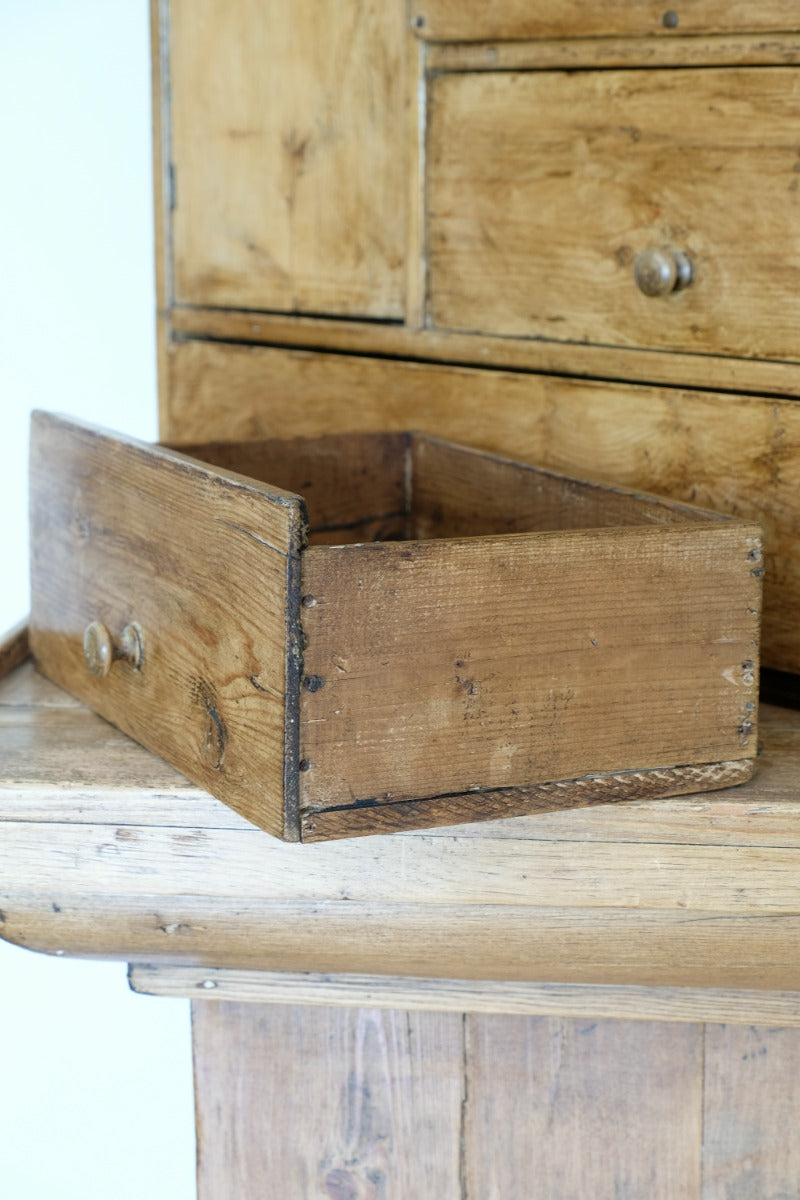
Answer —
477 20
548 192
182 575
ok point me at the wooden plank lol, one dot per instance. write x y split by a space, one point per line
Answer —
83 770
14 649
603 1109
565 270
299 108
612 364
724 49
584 1001
477 20
458 492
334 1102
752 1108
116 538
714 450
354 486
500 704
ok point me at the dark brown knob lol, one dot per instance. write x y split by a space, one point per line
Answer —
100 651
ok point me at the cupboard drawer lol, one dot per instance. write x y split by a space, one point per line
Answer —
549 192
521 641
477 20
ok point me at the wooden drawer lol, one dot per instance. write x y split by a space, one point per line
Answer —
520 642
546 191
479 20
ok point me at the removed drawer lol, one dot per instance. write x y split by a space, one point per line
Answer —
512 641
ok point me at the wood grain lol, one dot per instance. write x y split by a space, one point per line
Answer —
106 851
717 373
355 487
604 1109
738 454
345 1104
553 269
116 537
588 624
727 49
752 1105
14 649
288 155
584 1001
479 20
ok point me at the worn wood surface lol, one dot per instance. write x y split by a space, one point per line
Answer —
730 49
715 372
752 1107
738 454
534 224
211 669
477 20
352 1103
355 487
106 851
587 1001
430 687
14 649
335 1103
288 155
604 1109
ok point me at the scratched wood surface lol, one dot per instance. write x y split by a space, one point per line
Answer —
550 269
360 1103
477 20
752 1112
107 851
606 1109
102 550
288 155
720 451
508 695
347 1104
355 486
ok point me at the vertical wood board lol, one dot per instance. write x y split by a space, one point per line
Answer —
327 1104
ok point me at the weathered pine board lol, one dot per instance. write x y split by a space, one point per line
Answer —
355 487
509 255
287 153
479 20
751 1113
584 1001
349 1104
738 454
607 1109
207 593
525 639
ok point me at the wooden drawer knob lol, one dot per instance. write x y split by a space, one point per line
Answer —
100 651
659 271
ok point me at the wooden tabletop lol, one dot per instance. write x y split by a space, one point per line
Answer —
107 851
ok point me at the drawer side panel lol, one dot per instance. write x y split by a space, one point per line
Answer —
205 563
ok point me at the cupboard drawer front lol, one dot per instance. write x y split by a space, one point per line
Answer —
200 562
477 20
546 191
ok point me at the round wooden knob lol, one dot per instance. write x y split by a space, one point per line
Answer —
98 649
658 271
100 652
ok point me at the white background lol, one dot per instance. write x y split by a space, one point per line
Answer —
95 1083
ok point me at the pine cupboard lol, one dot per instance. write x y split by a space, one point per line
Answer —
561 233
